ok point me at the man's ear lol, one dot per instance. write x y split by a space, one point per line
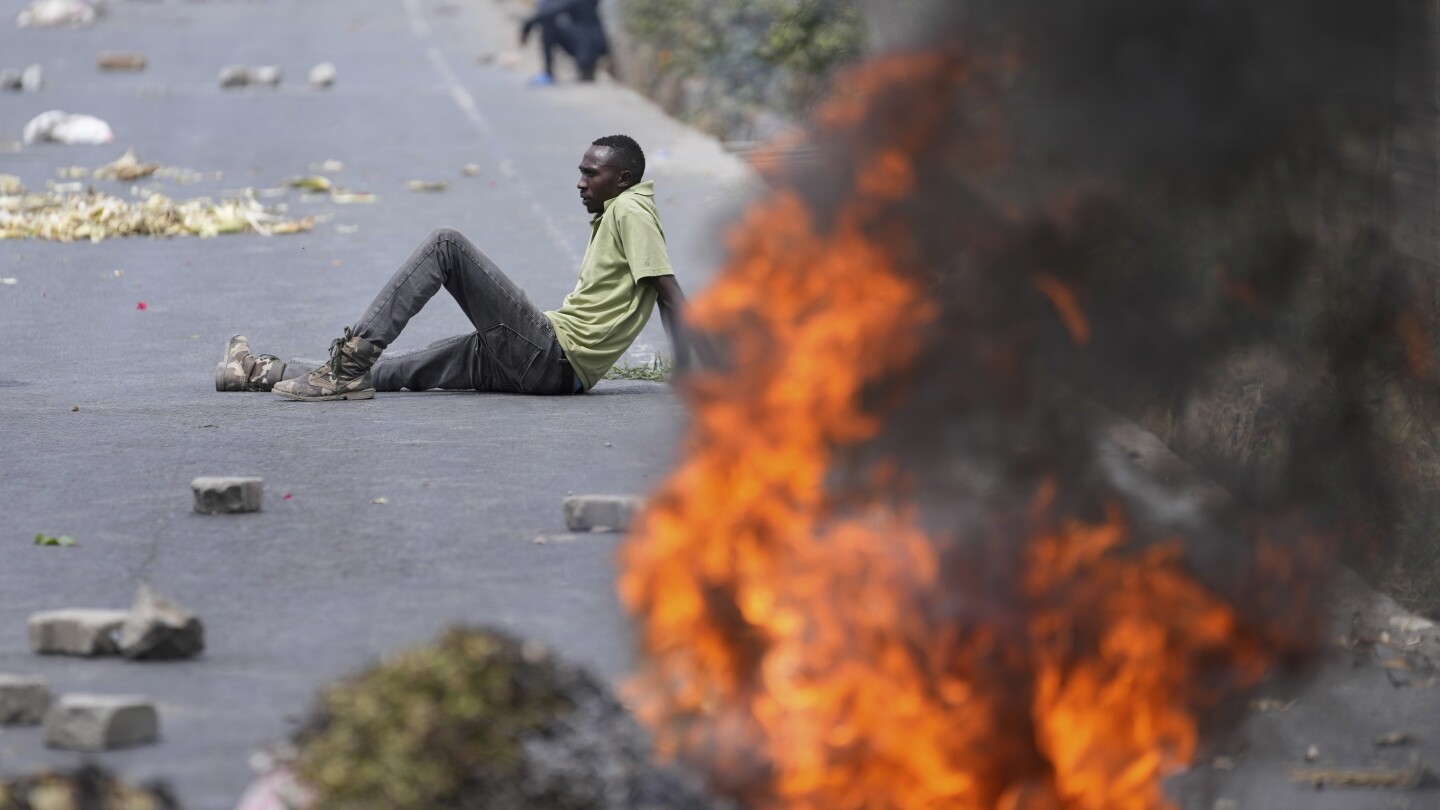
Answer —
627 178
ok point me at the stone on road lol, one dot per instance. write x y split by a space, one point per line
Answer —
601 513
85 722
76 631
219 496
159 629
23 700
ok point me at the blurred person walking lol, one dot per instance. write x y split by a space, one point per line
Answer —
573 26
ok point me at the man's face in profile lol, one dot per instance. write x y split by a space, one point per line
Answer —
599 180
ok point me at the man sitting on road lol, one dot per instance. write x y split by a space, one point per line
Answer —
515 347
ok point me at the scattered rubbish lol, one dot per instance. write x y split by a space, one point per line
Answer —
97 723
485 58
95 216
1269 705
62 127
1394 738
329 167
127 167
381 501
10 185
347 229
428 186
322 75
547 539
74 408
32 79
311 183
1312 753
9 281
277 789
1402 779
75 631
347 198
23 700
29 80
118 273
1223 764
64 540
66 188
601 513
267 76
56 13
121 61
470 169
142 306
289 496
215 495
158 629
234 76
72 173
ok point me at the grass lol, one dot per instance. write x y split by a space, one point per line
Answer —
657 370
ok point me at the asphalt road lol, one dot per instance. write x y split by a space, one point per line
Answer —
325 581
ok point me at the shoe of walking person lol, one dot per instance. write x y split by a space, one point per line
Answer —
241 370
346 375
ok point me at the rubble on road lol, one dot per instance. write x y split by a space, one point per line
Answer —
219 495
76 631
428 186
56 13
23 700
73 129
84 722
70 216
114 61
601 513
158 629
267 76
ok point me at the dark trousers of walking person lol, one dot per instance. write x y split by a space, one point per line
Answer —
513 348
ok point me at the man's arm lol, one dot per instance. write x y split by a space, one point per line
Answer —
671 301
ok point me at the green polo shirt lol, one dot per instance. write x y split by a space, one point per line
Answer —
609 306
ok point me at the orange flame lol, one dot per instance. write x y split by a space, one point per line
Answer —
806 650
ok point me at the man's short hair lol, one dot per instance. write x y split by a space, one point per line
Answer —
625 153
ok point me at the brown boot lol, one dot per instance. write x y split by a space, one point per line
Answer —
345 376
239 370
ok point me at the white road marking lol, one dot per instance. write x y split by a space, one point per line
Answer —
466 102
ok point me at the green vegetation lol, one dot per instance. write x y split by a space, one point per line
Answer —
432 724
63 540
657 370
773 53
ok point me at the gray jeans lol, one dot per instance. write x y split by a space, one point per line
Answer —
513 348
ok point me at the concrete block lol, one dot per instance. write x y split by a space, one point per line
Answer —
601 513
80 722
218 496
23 700
76 632
159 629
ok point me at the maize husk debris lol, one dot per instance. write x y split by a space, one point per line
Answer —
68 217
